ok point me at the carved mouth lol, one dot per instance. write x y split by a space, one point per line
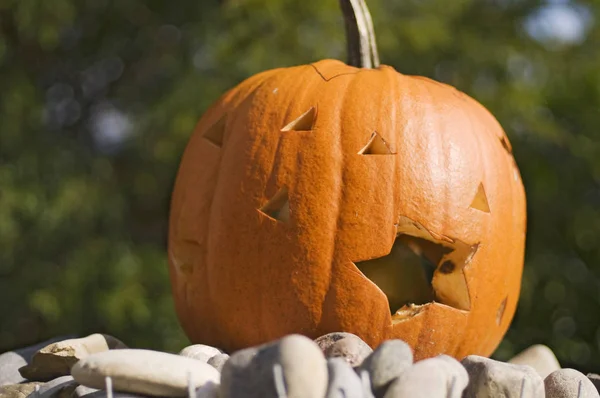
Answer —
422 267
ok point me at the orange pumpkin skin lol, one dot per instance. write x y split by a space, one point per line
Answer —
241 277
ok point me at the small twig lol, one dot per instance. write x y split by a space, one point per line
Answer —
109 387
451 389
190 386
279 381
522 388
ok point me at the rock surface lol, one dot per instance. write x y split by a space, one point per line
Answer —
200 351
490 379
18 390
209 390
218 361
438 377
12 361
386 363
56 359
539 357
569 383
293 366
343 382
346 345
144 372
61 387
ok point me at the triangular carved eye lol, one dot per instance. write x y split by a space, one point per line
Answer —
304 122
480 201
506 144
376 146
278 207
216 132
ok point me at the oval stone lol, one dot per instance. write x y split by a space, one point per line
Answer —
144 372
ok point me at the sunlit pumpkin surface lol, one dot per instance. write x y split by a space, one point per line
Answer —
326 198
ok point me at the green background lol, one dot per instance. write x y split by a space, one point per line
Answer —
99 97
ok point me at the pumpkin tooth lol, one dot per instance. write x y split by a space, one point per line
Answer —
304 122
407 312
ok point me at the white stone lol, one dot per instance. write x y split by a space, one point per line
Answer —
569 383
539 357
144 372
200 351
490 379
293 366
386 363
343 380
345 345
438 377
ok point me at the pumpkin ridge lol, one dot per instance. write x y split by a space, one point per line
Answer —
339 195
242 98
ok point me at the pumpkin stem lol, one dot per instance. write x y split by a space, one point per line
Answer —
360 35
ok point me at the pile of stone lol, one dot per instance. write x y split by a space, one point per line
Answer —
337 365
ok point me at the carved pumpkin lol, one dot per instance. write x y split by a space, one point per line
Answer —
327 197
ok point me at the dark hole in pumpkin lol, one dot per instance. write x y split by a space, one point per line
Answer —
304 122
405 275
376 146
215 133
278 207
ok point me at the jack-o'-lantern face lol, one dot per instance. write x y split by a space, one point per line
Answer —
329 198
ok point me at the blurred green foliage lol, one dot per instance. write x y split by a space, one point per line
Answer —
99 97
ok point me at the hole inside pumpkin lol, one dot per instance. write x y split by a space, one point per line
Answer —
216 132
421 268
376 146
278 207
304 122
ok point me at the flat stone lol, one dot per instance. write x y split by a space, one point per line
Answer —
293 366
438 377
56 359
144 372
218 361
386 363
343 380
346 345
18 390
595 379
539 357
569 383
60 387
115 394
12 361
200 351
490 379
